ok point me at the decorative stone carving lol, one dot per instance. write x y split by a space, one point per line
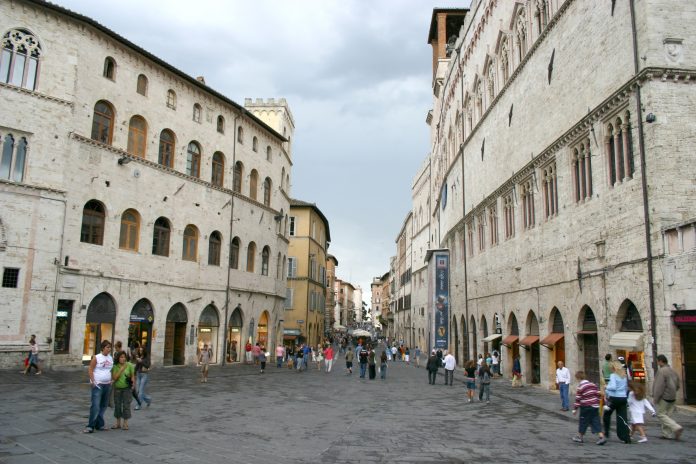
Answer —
674 52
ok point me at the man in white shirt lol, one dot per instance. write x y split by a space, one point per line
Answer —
563 383
450 363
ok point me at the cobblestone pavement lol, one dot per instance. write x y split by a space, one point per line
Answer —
241 416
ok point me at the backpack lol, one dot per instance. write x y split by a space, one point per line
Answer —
486 377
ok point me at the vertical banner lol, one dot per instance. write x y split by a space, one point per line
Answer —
441 300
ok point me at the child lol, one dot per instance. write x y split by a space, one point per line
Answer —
637 404
587 400
204 359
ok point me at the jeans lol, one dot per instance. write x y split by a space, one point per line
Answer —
279 361
329 364
142 381
99 403
564 387
383 371
617 404
432 375
485 390
449 374
363 368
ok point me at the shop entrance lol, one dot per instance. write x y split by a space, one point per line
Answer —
140 325
208 331
262 330
175 336
686 322
99 326
629 341
234 335
590 344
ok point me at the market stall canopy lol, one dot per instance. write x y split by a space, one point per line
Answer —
631 341
490 338
530 340
509 340
551 339
361 333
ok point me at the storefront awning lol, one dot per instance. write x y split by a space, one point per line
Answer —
510 339
490 338
529 340
551 339
289 337
631 341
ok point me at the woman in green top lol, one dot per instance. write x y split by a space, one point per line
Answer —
123 375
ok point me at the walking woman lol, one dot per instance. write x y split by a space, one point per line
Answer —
100 381
484 375
470 370
123 375
142 371
33 356
616 394
383 365
372 363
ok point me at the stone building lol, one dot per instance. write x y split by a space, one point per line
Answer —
136 202
561 182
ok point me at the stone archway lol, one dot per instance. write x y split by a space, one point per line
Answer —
175 336
208 326
234 335
99 324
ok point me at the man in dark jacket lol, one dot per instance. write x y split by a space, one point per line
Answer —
362 357
432 367
665 394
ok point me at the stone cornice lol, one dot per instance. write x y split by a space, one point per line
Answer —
39 188
34 94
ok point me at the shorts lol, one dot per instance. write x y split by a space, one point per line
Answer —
204 367
349 364
589 416
471 384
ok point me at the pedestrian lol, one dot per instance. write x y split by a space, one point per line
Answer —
256 351
299 354
587 401
495 363
118 347
489 360
606 369
306 355
665 390
563 384
440 356
247 352
100 381
407 355
362 358
123 376
484 376
290 356
233 351
393 351
203 361
470 370
418 355
33 357
432 366
320 356
480 360
516 372
450 364
349 360
328 357
616 392
383 365
142 376
637 405
262 358
372 363
280 354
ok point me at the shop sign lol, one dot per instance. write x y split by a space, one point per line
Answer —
684 318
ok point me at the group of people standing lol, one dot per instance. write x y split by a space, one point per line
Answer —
301 356
476 372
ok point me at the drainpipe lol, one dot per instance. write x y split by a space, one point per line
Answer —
644 188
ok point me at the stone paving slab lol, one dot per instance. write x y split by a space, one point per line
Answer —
241 416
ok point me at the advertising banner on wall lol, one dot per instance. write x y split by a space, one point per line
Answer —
438 264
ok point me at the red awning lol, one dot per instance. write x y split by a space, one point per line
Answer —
530 340
551 339
509 340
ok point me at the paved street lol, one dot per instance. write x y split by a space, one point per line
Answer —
282 416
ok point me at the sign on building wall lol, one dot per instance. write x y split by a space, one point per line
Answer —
438 263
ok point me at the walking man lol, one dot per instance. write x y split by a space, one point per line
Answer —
328 357
432 367
563 383
349 360
450 363
362 357
665 394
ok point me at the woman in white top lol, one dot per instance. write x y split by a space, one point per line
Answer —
318 356
100 379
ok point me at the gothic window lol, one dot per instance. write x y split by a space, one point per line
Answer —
109 68
237 178
509 212
12 158
240 135
197 110
265 256
218 169
190 248
93 217
479 100
171 99
470 238
582 171
103 122
141 87
20 59
550 190
269 153
214 247
521 35
505 61
481 220
255 144
253 181
541 15
528 203
165 156
619 150
493 224
160 237
234 253
130 230
193 160
251 255
137 136
267 191
491 82
221 124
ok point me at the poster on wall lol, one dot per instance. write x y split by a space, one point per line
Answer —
438 262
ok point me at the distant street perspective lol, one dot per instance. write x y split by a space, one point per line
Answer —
243 416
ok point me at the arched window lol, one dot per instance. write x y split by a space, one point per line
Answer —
240 135
265 256
20 59
130 230
267 191
234 253
491 83
142 85
237 179
197 110
541 15
93 215
251 257
255 144
109 68
166 148
521 35
160 237
137 136
171 99
103 122
619 150
12 158
214 246
253 181
218 169
269 153
190 251
505 61
221 124
193 160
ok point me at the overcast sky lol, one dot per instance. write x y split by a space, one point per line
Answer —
356 75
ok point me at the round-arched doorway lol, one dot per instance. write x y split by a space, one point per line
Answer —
208 325
234 335
140 324
262 330
99 325
175 336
